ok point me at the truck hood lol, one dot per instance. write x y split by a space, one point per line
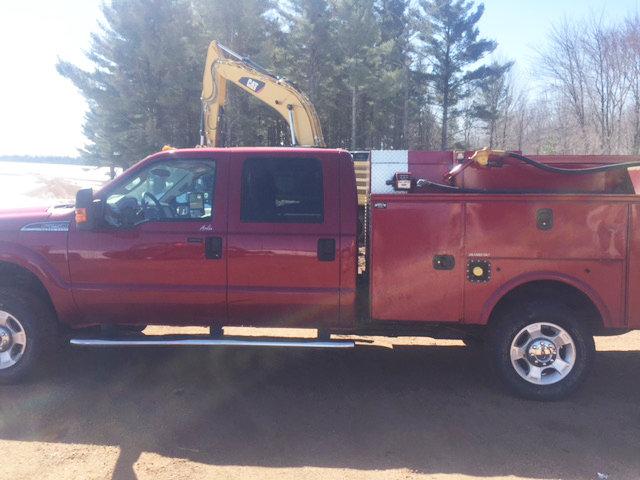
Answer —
13 219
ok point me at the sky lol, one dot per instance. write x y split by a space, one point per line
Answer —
42 113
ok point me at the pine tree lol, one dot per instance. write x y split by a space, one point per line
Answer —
493 94
451 41
393 103
307 43
356 39
144 89
356 59
246 27
306 55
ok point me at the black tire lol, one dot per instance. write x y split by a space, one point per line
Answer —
38 322
130 329
512 320
474 342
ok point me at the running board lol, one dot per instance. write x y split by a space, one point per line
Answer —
208 342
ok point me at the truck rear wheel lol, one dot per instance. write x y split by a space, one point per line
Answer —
541 351
27 333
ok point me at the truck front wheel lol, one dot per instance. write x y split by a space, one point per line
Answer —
26 333
540 351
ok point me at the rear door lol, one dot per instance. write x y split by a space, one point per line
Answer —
283 267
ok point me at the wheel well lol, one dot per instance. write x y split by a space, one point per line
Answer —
552 291
15 276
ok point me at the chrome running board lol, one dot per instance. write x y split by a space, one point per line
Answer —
156 341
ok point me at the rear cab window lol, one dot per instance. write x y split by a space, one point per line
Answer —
282 190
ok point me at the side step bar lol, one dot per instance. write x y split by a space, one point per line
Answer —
158 341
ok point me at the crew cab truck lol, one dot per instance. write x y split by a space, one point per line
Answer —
269 237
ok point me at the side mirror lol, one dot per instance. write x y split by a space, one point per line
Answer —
85 214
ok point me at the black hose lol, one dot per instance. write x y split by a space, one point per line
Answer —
572 171
423 183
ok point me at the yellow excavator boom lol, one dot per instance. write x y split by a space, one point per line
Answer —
224 65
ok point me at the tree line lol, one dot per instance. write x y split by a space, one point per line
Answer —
383 74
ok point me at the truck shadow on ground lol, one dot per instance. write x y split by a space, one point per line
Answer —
426 409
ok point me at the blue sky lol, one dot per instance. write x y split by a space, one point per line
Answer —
42 113
520 26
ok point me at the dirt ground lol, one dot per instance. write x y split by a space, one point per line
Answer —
388 411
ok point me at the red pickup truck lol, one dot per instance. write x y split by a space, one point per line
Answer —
272 237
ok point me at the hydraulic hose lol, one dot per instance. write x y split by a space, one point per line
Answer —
572 171
428 184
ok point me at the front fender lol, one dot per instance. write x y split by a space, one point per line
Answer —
54 280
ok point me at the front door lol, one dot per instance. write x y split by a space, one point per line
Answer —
159 256
283 232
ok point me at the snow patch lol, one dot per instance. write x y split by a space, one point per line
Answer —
33 184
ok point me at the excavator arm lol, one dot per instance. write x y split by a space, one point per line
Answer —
224 65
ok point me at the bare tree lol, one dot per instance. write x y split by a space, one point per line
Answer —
631 48
508 105
467 123
607 86
520 120
563 64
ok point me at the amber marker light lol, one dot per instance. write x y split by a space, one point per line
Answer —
81 215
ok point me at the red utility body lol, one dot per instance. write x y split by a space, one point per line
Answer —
587 248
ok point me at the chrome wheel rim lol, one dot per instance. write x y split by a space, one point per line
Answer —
543 353
13 340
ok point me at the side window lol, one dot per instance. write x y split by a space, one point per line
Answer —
282 190
178 189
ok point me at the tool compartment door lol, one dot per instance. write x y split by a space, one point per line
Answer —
413 242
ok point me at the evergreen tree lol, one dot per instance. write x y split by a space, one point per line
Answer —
493 94
452 43
144 89
393 102
357 60
246 27
357 38
307 56
307 43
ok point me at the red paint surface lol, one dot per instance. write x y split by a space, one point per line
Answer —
275 277
633 270
269 273
405 237
348 248
586 248
152 274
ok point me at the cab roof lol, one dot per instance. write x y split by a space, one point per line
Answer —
245 150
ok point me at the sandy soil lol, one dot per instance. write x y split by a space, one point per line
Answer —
388 411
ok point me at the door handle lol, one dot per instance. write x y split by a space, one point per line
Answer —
326 249
213 248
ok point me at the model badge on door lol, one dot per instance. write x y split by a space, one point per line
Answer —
206 228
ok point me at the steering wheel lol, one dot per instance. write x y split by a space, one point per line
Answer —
157 203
